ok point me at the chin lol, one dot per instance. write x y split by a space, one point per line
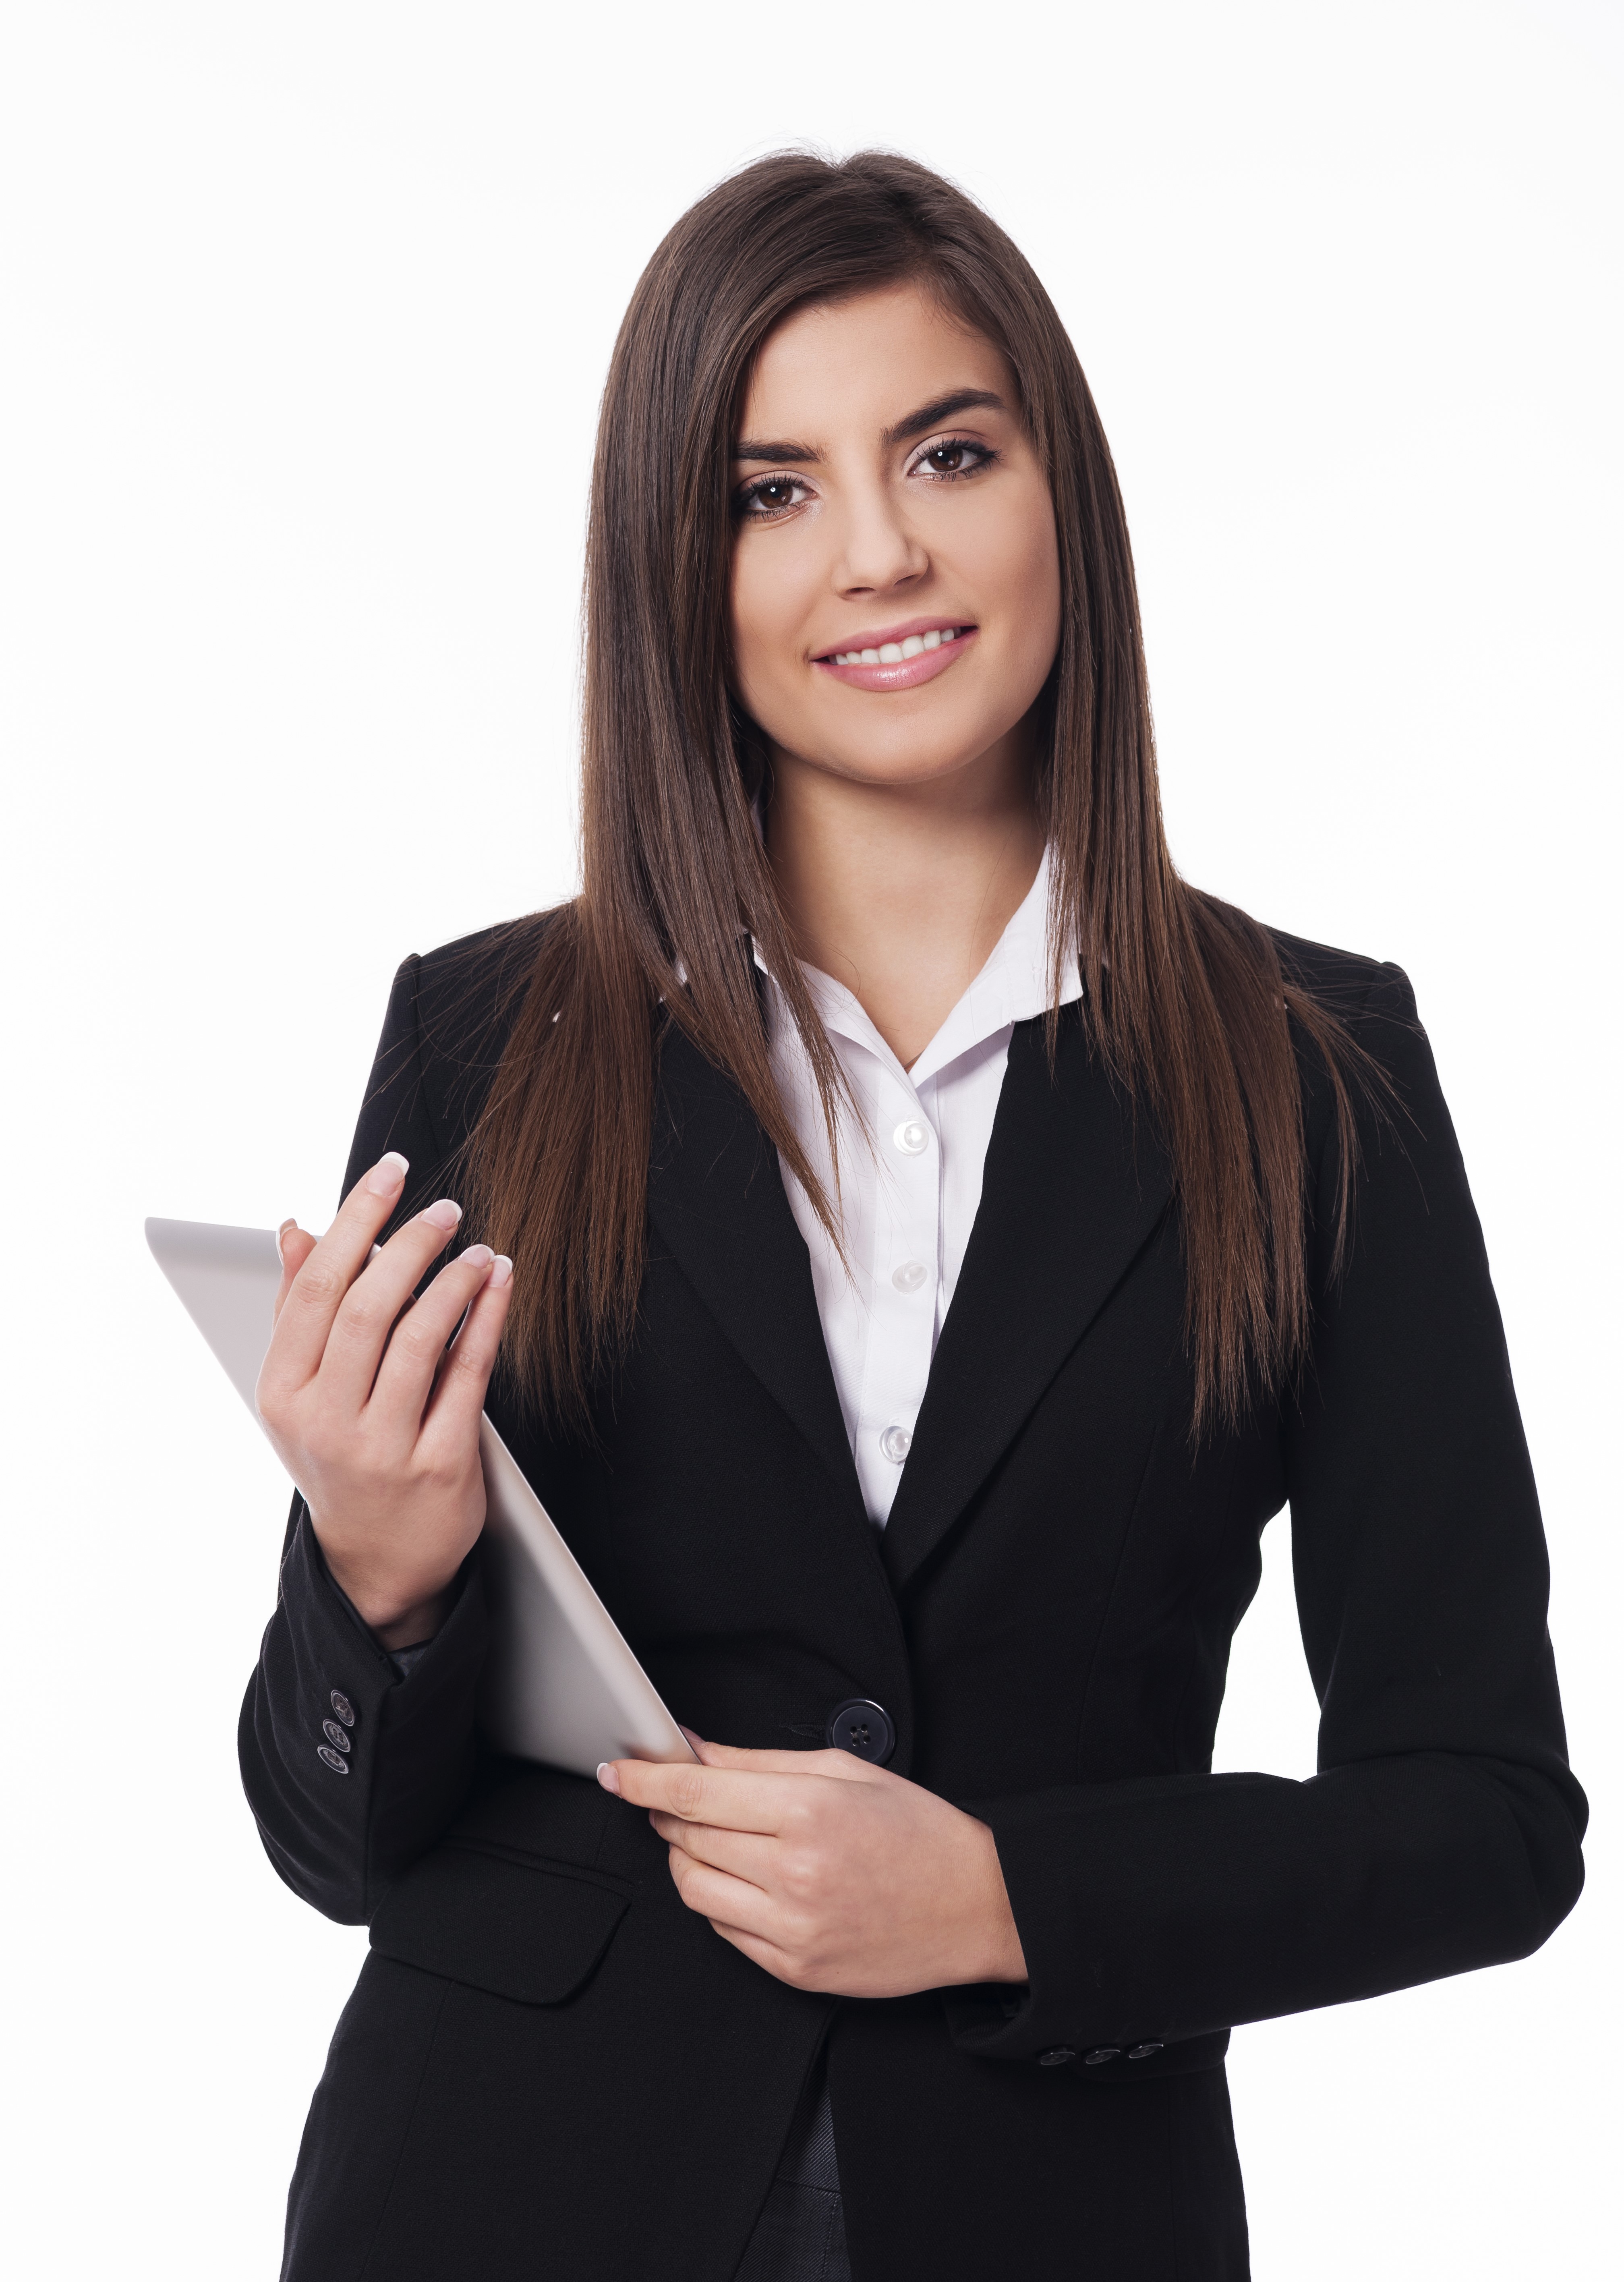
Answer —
907 757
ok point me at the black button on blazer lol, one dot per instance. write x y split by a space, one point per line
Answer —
548 2065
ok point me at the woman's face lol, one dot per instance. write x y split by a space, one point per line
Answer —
895 581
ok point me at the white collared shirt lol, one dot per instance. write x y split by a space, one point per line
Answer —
910 1186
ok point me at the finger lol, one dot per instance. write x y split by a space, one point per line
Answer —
843 1766
294 1246
743 1854
712 1894
331 1267
416 1346
760 1951
701 1794
374 1304
458 1394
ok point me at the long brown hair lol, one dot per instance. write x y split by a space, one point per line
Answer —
1185 996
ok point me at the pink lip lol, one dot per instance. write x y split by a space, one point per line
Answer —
908 673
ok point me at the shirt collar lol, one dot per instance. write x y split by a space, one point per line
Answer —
1012 987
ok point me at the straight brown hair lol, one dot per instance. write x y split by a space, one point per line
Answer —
1184 997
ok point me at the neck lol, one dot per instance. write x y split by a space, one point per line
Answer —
902 891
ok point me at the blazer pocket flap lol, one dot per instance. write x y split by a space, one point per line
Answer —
529 1930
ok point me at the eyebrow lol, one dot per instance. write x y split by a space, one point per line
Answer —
914 423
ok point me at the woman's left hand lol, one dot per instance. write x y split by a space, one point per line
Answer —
830 1873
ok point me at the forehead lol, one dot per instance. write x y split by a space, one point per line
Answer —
861 364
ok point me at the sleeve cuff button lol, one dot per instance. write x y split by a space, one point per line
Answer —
329 1758
1056 2056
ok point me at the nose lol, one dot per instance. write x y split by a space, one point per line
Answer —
879 552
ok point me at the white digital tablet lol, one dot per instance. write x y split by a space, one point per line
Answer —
561 1685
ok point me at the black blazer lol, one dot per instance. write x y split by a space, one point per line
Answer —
551 2067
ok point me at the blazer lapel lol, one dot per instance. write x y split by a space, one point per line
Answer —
1070 1196
716 1196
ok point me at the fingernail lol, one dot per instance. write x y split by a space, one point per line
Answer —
477 1255
387 1174
442 1214
502 1271
607 1776
281 1232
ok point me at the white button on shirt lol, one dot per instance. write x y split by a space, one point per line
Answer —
910 1182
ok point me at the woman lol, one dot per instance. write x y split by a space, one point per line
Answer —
1103 1221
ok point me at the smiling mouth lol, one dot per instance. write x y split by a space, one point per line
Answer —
906 659
896 653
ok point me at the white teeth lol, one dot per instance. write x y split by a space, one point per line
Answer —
893 653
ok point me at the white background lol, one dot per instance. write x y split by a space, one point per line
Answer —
304 312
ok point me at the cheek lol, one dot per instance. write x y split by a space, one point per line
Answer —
1030 569
1004 544
766 610
1012 563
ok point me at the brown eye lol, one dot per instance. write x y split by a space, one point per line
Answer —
955 455
770 495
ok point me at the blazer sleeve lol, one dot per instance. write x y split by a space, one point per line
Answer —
1442 1831
340 1834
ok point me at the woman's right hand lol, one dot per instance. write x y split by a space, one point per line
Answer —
373 1414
